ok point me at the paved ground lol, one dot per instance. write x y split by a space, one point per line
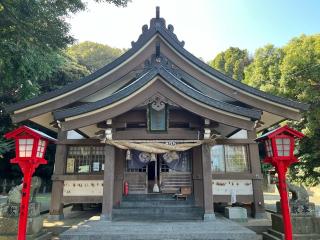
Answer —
72 219
220 229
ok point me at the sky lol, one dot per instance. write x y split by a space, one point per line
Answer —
207 26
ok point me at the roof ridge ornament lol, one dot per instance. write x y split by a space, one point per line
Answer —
158 24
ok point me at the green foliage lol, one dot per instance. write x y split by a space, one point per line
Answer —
93 55
70 70
231 62
300 79
33 36
292 71
264 71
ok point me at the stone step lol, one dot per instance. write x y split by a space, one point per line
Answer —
157 213
275 235
150 197
157 210
220 229
268 236
156 203
158 218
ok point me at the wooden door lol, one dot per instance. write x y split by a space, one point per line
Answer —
137 180
172 180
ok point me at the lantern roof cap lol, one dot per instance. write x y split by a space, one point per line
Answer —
33 132
284 129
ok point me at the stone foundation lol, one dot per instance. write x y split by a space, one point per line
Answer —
9 226
303 228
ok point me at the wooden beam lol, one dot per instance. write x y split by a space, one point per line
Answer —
88 141
144 134
233 141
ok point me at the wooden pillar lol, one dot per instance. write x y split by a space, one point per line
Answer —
257 180
108 183
197 176
56 208
120 158
207 184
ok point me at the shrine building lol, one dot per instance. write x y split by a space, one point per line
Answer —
161 123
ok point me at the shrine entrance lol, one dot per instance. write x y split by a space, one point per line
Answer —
162 173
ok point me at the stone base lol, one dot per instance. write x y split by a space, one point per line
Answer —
303 228
106 217
236 213
40 236
9 226
13 210
300 224
209 217
261 215
299 208
54 217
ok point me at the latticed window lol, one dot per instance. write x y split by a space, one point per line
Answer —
269 148
283 146
229 158
85 159
25 147
40 149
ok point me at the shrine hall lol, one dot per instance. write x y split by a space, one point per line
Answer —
157 123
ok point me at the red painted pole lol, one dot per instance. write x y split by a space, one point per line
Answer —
282 169
27 170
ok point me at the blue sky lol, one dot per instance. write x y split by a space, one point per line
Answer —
207 26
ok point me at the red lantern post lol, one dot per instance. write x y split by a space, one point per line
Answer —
279 146
30 149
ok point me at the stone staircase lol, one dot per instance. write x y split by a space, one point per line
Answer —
156 207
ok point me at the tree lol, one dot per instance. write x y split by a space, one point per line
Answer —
232 62
70 70
300 79
264 72
33 34
94 55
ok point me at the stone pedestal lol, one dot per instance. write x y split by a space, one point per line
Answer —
304 209
9 217
9 226
303 228
236 213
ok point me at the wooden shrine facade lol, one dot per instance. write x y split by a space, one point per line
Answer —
161 102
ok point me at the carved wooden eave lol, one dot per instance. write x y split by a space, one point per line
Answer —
155 82
159 43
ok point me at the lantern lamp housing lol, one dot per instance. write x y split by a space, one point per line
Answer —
279 144
30 144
